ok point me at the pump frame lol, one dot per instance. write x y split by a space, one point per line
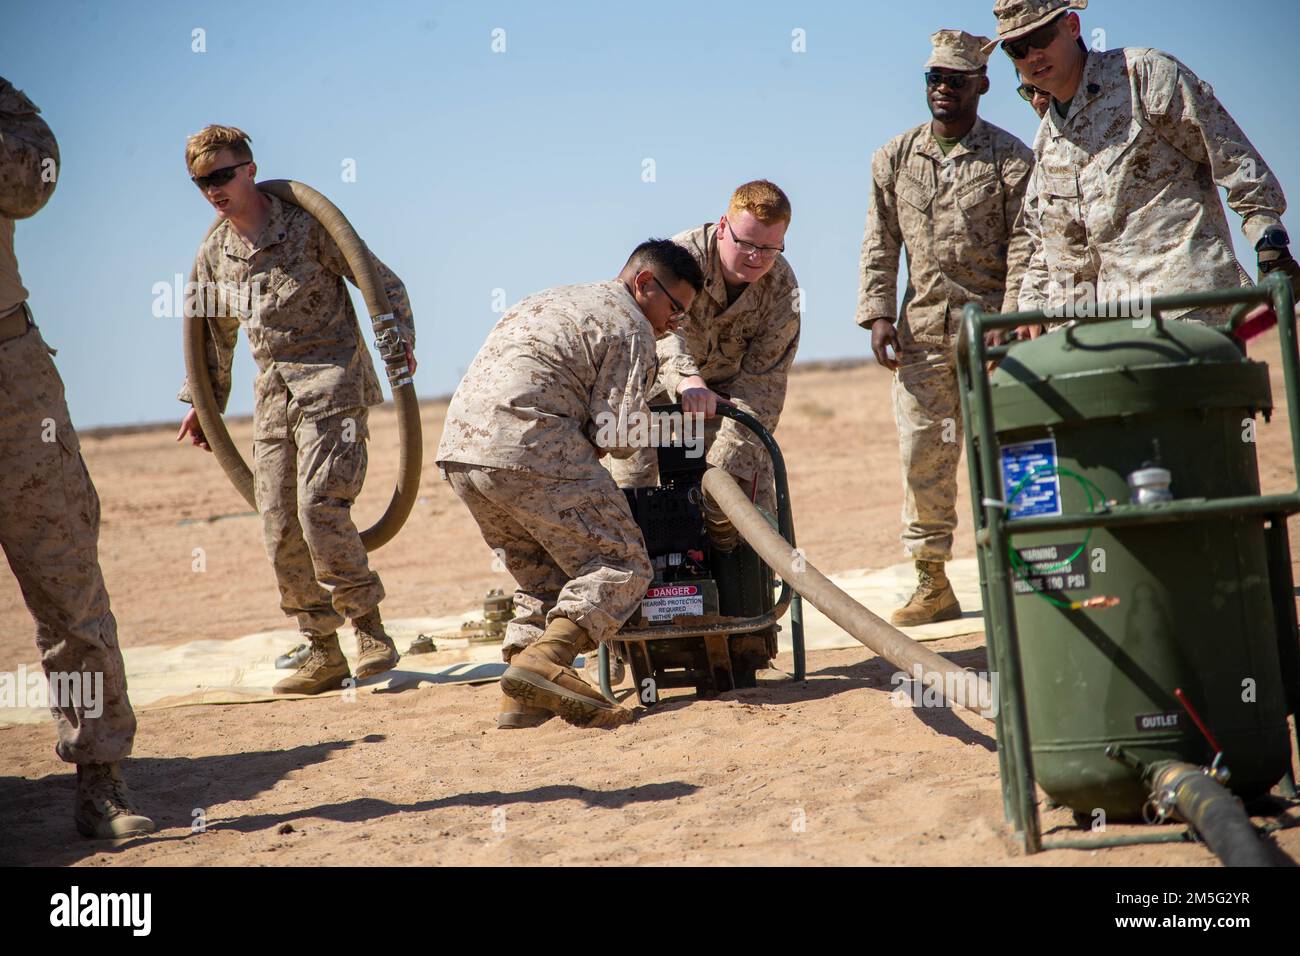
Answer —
787 597
994 530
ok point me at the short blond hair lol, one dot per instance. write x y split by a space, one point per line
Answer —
763 199
213 139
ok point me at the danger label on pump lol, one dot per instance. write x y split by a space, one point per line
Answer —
1029 474
1051 567
667 601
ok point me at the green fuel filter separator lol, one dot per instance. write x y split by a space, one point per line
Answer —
1127 553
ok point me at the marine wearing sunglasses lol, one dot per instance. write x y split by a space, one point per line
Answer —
1040 39
218 177
1044 67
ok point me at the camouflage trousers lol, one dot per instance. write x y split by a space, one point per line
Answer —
927 410
571 546
49 528
305 485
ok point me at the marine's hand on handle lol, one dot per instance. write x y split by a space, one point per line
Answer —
995 337
190 426
410 358
1021 333
884 335
697 397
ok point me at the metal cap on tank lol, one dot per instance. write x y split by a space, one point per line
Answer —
1151 485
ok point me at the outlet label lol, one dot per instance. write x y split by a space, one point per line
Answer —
1148 722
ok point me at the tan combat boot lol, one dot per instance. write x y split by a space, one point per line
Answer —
376 651
516 715
325 669
932 601
542 675
103 810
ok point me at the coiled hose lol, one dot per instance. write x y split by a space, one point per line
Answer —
387 339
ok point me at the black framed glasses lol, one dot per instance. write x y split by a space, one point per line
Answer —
955 81
679 310
218 177
1040 39
752 250
1028 92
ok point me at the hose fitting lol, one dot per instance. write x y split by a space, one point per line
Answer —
723 536
1191 793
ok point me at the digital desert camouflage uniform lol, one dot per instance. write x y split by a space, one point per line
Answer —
519 449
314 384
956 217
1123 201
743 350
49 510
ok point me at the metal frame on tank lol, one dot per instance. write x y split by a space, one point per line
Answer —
994 531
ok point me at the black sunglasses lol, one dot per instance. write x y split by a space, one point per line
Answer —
1027 92
218 177
1040 39
954 81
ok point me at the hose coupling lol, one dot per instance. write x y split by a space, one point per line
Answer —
723 536
1218 771
1160 806
388 339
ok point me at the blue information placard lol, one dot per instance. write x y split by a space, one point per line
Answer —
1041 495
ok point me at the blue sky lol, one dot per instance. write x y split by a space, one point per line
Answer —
478 171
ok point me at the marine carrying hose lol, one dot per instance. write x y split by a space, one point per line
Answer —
387 339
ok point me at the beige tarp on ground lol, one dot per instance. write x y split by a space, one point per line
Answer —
243 670
881 592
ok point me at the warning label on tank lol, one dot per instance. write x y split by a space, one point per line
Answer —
1050 567
668 601
1029 475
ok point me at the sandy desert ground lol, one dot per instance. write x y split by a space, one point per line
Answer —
828 771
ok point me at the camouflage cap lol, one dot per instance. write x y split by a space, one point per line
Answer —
1018 17
958 50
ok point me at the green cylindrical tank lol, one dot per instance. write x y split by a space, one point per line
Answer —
1083 409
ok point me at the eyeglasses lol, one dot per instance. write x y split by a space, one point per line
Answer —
1027 92
218 177
679 310
1040 39
751 250
956 81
